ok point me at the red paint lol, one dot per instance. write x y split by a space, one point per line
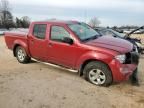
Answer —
73 56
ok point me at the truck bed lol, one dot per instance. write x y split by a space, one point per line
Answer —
11 38
17 32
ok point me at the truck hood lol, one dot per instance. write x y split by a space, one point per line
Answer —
116 44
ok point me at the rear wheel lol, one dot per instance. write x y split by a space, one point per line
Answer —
21 55
98 73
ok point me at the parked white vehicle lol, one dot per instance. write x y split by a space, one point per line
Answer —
2 31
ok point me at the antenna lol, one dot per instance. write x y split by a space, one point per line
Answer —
85 15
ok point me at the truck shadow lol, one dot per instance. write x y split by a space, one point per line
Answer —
33 61
65 71
55 68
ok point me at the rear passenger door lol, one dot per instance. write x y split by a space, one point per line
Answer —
37 41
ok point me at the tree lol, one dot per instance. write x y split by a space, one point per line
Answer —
25 21
6 16
94 22
18 23
5 5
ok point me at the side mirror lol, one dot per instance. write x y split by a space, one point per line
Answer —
68 40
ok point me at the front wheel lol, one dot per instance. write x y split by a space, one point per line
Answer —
98 73
21 55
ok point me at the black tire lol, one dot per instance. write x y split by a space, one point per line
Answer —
25 59
134 77
104 71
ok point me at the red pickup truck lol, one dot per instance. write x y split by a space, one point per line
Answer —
101 59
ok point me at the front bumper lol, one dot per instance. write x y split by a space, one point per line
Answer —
121 71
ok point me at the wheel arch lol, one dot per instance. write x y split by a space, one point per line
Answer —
88 61
22 44
83 65
83 61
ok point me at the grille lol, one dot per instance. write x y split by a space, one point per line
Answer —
132 58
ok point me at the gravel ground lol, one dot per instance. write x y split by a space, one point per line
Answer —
38 85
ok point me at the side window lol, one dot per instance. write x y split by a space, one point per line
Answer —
39 31
58 33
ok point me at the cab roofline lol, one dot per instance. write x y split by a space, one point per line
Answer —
58 21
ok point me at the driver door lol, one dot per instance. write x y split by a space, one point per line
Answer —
59 52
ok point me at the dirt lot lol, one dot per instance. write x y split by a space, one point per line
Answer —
139 36
37 85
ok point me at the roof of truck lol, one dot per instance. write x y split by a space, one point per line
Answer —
57 21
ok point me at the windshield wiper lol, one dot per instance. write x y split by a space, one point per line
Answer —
91 38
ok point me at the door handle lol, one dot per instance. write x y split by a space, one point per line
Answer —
32 41
50 44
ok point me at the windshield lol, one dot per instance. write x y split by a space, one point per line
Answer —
83 31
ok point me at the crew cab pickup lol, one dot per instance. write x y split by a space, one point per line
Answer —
101 59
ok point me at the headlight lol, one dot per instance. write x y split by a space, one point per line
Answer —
121 58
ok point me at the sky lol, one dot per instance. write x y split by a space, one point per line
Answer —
109 12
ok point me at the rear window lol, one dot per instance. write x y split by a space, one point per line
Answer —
39 31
